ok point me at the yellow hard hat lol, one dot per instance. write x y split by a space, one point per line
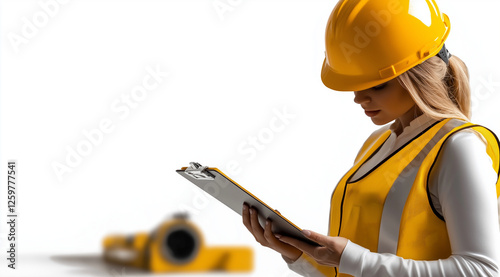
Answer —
369 42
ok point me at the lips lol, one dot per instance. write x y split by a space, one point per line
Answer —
372 113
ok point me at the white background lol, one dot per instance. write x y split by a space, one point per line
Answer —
230 74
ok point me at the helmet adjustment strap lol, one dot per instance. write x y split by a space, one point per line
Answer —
444 54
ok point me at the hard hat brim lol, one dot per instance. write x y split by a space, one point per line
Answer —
341 82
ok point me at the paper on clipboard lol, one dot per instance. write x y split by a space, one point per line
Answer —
227 191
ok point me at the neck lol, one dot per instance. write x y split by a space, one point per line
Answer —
404 120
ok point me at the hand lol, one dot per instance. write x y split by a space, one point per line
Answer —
328 254
266 237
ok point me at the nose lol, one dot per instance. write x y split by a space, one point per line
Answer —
361 97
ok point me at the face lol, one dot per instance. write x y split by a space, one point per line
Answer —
386 102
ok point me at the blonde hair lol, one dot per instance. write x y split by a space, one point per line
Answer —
439 90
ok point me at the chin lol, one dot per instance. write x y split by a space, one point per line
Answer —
379 121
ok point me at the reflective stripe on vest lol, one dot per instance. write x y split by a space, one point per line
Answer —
396 198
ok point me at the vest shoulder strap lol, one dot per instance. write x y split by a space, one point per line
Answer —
374 140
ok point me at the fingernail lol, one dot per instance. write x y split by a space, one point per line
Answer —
267 222
306 233
277 236
245 207
251 211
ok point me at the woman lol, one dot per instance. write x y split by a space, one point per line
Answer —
421 198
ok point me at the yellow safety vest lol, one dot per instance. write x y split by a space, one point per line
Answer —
388 210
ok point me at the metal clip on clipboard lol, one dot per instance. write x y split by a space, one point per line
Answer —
199 172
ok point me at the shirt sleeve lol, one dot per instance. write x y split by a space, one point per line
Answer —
467 195
305 267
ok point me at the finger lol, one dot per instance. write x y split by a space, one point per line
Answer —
316 237
283 248
301 245
257 230
269 235
246 218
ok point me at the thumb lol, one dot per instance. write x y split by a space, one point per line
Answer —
316 237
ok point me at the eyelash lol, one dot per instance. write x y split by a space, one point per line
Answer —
379 87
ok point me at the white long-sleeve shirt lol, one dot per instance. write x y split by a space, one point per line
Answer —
462 188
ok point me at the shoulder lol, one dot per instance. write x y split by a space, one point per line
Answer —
370 140
462 168
377 133
464 142
463 157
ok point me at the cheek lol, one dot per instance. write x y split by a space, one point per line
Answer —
400 102
406 101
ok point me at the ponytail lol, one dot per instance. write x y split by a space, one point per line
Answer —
457 80
439 90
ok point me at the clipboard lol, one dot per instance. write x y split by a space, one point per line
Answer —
230 193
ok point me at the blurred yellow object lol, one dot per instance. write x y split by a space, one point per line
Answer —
371 42
175 246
